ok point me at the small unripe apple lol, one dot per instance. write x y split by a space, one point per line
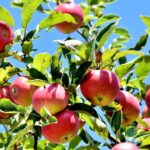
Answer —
4 93
145 127
74 10
130 106
21 92
54 97
125 146
64 130
100 87
147 98
6 35
146 112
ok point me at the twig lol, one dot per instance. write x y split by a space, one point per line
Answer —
82 36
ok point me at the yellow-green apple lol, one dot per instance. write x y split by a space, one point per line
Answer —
53 97
75 11
64 130
147 98
4 93
146 126
146 112
100 87
6 35
125 146
130 106
21 92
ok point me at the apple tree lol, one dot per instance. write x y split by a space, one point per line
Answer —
87 95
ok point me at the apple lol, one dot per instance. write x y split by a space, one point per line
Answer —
100 87
6 35
53 97
130 106
147 98
64 130
76 12
146 112
125 146
21 92
4 93
145 127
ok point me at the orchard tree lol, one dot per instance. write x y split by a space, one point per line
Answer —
85 96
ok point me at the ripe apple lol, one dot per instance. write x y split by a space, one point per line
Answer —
147 127
146 112
125 146
130 106
54 97
64 130
4 93
100 87
6 35
147 98
74 10
21 92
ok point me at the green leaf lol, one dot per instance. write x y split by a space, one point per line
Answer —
116 121
42 61
146 141
143 67
141 42
6 16
93 2
55 18
7 106
130 131
35 74
95 124
106 18
74 142
81 107
104 34
123 69
37 82
80 72
122 32
28 9
28 143
19 136
127 52
146 20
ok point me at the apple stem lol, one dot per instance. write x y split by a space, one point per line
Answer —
57 2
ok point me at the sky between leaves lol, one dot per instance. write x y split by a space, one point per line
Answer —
128 10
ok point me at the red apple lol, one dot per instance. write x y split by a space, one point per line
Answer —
74 10
6 35
130 106
21 92
54 97
146 112
145 127
100 87
64 130
147 98
4 93
125 146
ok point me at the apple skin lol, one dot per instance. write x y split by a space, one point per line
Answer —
147 98
130 106
6 35
74 10
125 146
54 97
4 93
147 121
64 130
100 87
145 112
21 92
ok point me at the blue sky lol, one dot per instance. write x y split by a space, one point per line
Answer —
128 10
